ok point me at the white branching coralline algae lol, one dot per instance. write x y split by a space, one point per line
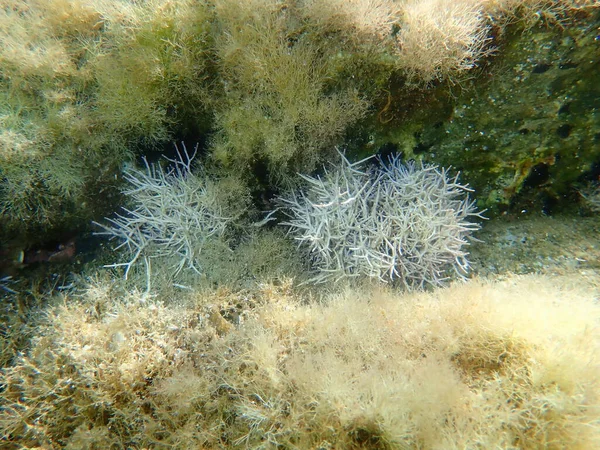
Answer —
406 224
175 213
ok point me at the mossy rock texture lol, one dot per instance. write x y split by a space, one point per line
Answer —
525 131
502 90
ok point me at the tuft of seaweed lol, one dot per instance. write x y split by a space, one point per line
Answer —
504 364
399 222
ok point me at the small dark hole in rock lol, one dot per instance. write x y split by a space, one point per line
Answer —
539 174
564 109
541 68
564 131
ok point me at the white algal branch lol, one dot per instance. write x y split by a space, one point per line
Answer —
175 212
396 223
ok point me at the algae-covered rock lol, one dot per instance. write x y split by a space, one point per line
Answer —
526 128
272 87
533 127
82 85
247 353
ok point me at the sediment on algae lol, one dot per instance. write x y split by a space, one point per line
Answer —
506 364
272 86
503 90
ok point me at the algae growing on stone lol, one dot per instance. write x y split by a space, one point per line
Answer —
245 352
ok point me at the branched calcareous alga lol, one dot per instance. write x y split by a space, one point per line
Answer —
175 213
401 223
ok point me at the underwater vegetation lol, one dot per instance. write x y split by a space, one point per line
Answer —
506 364
272 86
218 336
81 84
176 214
196 223
400 223
393 222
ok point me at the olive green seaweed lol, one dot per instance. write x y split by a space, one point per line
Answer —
271 85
